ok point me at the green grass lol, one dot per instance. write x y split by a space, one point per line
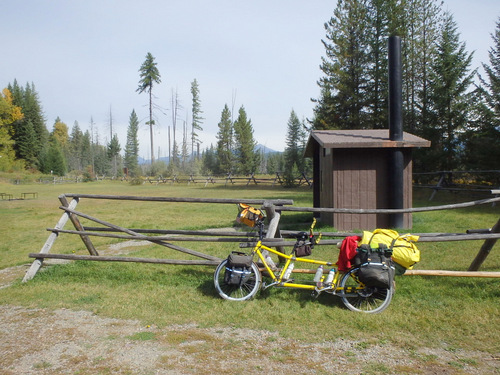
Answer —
439 312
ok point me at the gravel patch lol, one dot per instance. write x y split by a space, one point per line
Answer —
40 341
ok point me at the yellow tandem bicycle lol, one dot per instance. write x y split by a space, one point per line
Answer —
239 277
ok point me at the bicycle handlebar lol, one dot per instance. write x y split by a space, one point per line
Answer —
312 227
311 234
312 240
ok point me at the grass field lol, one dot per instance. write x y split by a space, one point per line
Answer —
445 312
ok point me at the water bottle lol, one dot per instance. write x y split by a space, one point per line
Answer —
330 276
288 271
318 276
270 262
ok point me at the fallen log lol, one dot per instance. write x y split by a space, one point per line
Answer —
451 273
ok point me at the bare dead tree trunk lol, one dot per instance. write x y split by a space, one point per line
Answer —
151 122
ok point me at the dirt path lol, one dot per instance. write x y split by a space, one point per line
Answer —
39 341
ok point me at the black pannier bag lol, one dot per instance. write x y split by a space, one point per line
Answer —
376 268
302 247
238 268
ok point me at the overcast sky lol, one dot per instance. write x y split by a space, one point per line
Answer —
84 57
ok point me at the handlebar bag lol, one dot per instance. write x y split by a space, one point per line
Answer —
248 215
302 249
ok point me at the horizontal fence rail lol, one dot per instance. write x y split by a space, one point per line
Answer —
389 211
277 202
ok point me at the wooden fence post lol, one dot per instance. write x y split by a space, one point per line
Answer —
78 226
485 249
37 263
273 230
442 180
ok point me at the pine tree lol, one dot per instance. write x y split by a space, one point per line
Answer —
34 113
99 152
150 75
275 163
324 111
75 148
53 160
17 97
378 26
451 79
17 93
224 142
114 149
132 146
344 85
421 29
102 162
29 133
354 88
88 152
209 161
247 158
196 113
28 144
482 140
295 143
20 129
53 157
491 90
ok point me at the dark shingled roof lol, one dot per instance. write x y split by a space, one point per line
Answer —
372 138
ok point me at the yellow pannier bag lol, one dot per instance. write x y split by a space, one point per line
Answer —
404 251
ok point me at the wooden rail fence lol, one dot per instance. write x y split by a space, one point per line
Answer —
275 237
448 180
229 179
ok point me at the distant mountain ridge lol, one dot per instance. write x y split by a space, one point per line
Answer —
260 148
265 149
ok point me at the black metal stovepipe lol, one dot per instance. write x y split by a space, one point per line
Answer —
396 159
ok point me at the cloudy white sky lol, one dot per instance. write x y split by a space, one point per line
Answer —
84 57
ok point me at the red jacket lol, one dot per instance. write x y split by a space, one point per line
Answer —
347 252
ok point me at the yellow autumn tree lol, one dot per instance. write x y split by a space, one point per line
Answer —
60 133
9 114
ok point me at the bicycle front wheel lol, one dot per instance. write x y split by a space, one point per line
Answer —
243 291
360 298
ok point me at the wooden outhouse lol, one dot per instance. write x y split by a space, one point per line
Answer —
351 169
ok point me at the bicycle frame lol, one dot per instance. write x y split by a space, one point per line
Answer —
278 280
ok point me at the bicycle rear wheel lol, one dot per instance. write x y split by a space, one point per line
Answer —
360 298
243 291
